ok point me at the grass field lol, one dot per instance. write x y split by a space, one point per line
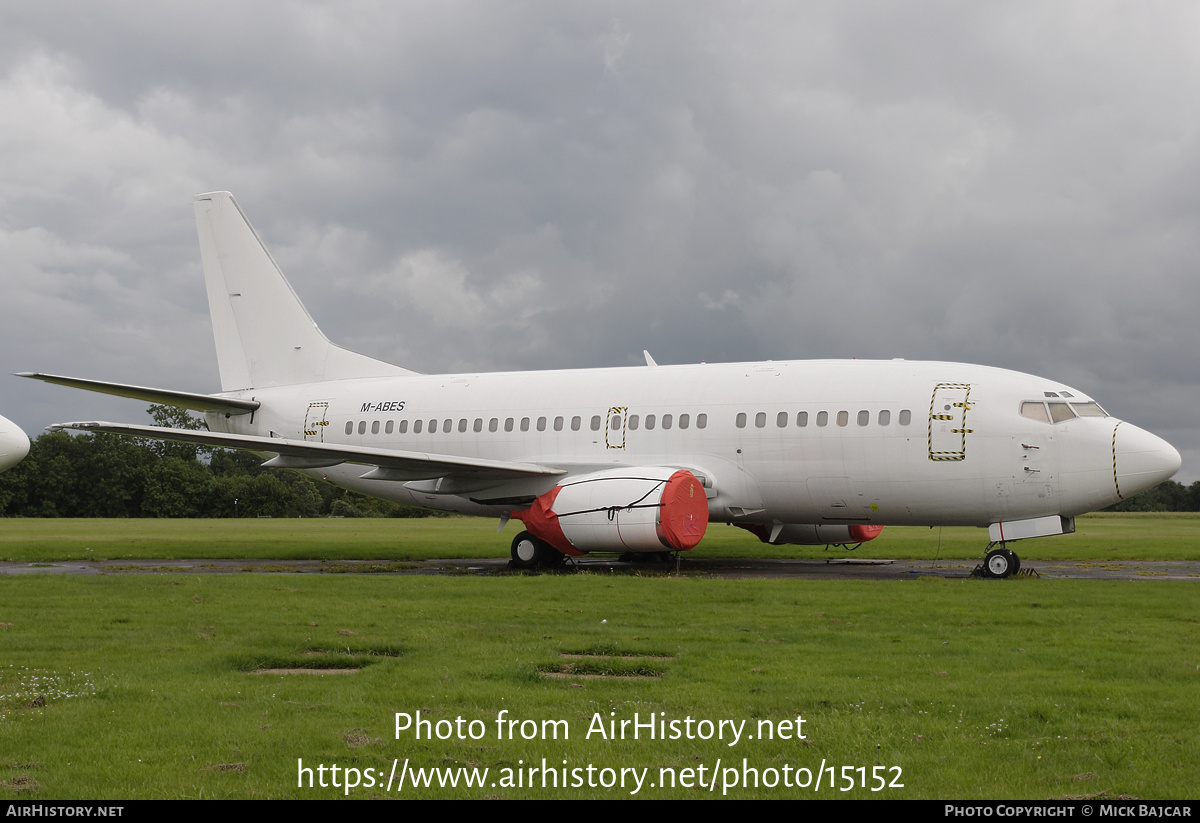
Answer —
1171 536
144 686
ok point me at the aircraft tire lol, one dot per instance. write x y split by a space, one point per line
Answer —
528 552
550 557
525 551
1001 563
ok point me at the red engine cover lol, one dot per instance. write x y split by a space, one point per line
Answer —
638 509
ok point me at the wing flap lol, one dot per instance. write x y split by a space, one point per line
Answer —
403 464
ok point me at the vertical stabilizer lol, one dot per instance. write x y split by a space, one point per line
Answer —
264 335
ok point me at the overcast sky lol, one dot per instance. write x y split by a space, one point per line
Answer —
526 185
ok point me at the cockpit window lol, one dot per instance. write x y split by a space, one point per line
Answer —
1060 412
1035 410
1050 393
1090 409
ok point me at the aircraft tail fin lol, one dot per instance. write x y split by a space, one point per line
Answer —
264 335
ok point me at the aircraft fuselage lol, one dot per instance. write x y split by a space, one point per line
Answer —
14 445
840 442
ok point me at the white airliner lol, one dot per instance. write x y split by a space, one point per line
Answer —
642 459
14 445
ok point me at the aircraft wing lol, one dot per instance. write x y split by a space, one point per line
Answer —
164 397
306 454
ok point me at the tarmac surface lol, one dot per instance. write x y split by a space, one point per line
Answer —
732 568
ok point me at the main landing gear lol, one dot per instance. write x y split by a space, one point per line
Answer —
1000 562
528 552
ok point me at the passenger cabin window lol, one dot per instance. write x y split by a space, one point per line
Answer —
404 427
864 417
541 424
362 426
741 420
374 427
822 418
801 419
462 425
349 427
576 422
616 422
885 417
524 424
494 424
478 426
760 420
508 424
633 422
558 424
781 420
417 426
666 421
701 421
433 424
596 422
905 417
649 422
387 427
684 421
843 418
448 426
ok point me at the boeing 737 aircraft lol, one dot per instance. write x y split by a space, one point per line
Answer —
642 459
14 445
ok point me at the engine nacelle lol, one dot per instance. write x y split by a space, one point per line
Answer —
812 534
642 509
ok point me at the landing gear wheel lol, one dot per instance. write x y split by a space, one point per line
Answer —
1001 563
528 552
524 551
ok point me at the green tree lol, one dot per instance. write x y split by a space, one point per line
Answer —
172 417
177 488
108 475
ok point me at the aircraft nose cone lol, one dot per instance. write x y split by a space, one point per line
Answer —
14 445
1141 460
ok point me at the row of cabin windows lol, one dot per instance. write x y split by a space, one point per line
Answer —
448 425
649 422
493 425
784 419
666 421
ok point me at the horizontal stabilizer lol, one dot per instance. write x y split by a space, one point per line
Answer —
405 465
165 397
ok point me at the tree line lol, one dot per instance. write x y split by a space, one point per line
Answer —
108 475
1165 497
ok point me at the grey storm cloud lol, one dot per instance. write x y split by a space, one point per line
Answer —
480 186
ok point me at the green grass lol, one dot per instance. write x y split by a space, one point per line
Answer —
146 685
1172 536
142 686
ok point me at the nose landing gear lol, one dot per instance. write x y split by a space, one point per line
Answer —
1000 561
